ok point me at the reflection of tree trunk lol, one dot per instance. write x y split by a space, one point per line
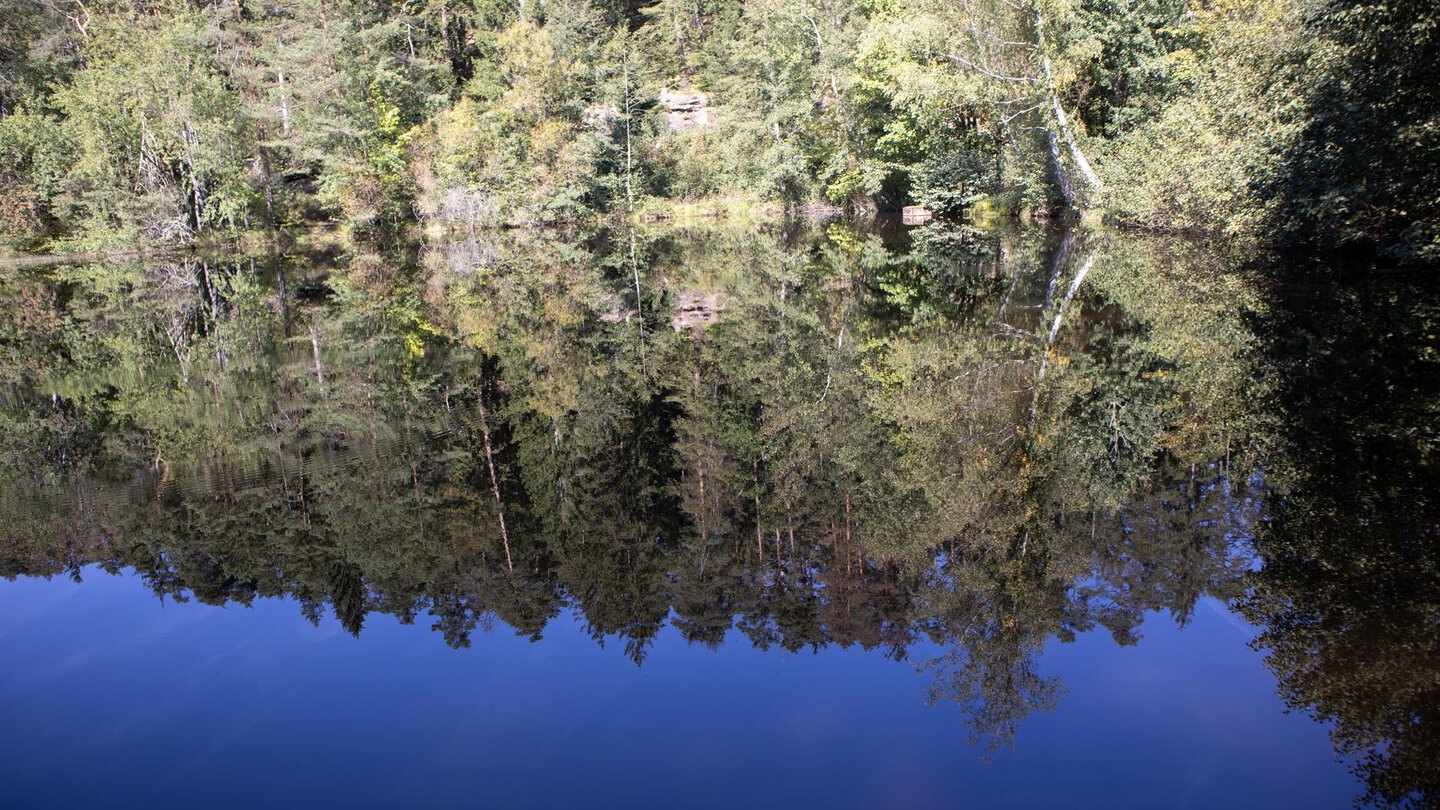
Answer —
284 296
790 522
704 532
759 533
1057 266
419 505
315 352
1070 294
300 483
759 536
220 354
176 335
280 463
494 482
1055 326
1000 316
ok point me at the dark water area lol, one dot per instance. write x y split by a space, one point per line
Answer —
910 519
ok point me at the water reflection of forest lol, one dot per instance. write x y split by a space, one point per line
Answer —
984 442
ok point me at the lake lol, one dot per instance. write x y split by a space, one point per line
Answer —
823 515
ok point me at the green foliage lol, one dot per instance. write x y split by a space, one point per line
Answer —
1197 164
1136 73
955 172
1290 120
1364 168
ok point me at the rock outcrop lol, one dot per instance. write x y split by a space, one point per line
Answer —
600 117
686 110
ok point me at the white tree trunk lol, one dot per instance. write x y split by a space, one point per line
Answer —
1058 112
1084 165
1062 174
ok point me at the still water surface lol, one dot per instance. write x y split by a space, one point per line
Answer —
707 520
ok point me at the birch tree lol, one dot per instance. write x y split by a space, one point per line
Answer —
999 61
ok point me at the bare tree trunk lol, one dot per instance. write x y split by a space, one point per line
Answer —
269 194
629 124
704 532
284 105
1088 173
1061 121
1062 174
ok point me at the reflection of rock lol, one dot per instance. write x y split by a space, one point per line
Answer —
696 308
916 214
464 257
467 206
613 311
819 210
686 110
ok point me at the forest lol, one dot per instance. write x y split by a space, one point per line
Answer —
1310 125
484 314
